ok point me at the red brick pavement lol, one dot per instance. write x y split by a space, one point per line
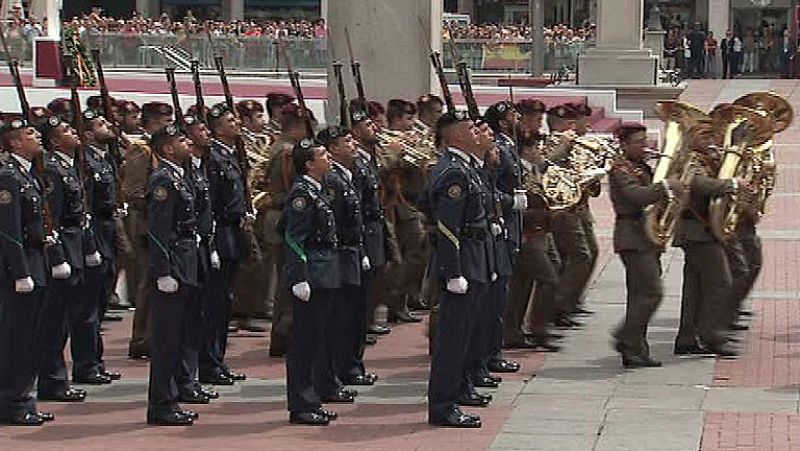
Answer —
751 432
258 425
235 425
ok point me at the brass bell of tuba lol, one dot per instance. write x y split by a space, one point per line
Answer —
752 121
674 160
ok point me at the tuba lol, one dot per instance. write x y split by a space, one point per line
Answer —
415 149
752 121
675 160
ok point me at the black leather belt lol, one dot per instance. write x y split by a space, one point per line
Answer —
474 233
629 216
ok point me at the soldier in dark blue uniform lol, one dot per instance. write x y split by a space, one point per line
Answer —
64 186
459 263
189 388
101 190
489 319
172 269
503 120
349 309
23 272
228 207
312 273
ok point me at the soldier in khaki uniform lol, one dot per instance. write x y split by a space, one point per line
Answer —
250 283
583 114
275 103
136 169
533 268
273 182
632 191
706 272
568 232
404 281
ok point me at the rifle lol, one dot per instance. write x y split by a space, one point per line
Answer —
80 128
344 111
515 139
108 110
200 104
173 89
464 81
241 152
294 78
436 61
355 68
13 67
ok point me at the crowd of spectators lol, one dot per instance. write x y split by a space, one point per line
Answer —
518 33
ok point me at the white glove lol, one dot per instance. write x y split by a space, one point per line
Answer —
520 200
62 271
167 284
365 264
93 260
597 173
494 276
215 262
23 285
496 229
459 285
302 290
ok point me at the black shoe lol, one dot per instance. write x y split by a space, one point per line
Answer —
46 416
580 311
497 379
418 304
92 379
485 382
349 391
472 400
722 350
277 352
638 361
138 355
379 329
340 397
358 380
248 326
309 418
738 327
216 379
209 393
566 323
232 330
176 418
544 343
190 414
69 395
331 416
371 376
690 349
403 317
24 419
235 376
745 313
194 397
486 396
370 340
113 375
111 318
503 366
457 419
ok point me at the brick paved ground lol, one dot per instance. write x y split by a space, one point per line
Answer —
579 399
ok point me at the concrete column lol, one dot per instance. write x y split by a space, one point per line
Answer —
467 7
619 57
147 8
237 9
536 19
719 16
323 10
391 40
